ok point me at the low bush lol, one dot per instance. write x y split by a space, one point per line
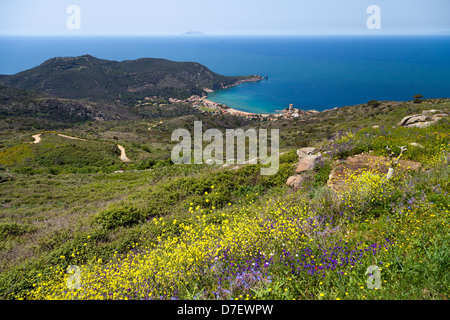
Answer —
118 216
13 229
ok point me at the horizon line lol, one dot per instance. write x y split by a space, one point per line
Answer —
232 35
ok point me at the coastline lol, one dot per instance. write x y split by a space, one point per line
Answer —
223 107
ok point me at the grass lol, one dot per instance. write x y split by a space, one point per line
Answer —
205 109
159 231
225 254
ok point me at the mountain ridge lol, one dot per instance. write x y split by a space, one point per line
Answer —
88 77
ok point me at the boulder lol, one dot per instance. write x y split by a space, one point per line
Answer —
308 163
295 181
430 112
413 119
439 116
427 118
420 124
303 152
357 164
405 120
415 144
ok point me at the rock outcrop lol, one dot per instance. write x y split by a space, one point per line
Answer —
308 163
308 158
357 164
295 181
427 118
303 152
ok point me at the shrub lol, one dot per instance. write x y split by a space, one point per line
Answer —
289 157
322 174
417 98
118 217
27 170
13 229
373 103
278 179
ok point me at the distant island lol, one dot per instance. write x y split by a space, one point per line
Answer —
194 33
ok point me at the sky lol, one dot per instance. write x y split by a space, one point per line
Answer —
214 17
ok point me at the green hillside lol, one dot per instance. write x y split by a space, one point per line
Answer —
87 77
148 229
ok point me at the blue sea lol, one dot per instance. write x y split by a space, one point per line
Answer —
310 72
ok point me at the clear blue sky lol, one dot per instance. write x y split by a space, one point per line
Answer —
230 17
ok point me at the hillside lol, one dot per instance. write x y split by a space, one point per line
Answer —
148 229
87 77
18 103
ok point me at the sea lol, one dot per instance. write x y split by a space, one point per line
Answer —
310 72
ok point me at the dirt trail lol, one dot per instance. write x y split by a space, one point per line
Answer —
69 137
37 138
123 155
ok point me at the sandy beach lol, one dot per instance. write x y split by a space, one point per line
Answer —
234 111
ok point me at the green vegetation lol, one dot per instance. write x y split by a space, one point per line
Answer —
373 103
207 109
127 81
43 111
154 230
417 98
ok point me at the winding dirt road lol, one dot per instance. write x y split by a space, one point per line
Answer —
37 138
69 137
123 154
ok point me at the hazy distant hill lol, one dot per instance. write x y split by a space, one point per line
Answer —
194 33
97 79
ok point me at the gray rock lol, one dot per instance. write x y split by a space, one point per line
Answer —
404 121
420 124
439 116
303 152
416 119
427 118
415 144
430 112
295 181
308 163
